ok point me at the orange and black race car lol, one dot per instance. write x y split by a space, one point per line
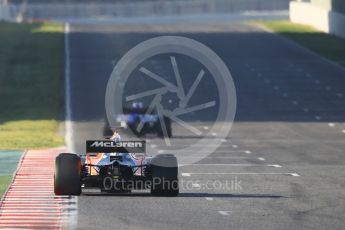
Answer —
116 167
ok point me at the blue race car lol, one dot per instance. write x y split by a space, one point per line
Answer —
140 123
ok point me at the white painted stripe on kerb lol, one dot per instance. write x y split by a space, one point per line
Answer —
28 226
33 221
38 198
6 211
23 218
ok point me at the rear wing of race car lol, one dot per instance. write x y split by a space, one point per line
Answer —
129 110
107 146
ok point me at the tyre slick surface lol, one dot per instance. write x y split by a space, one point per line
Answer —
67 174
164 175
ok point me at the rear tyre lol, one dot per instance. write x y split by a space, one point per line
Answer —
164 171
67 174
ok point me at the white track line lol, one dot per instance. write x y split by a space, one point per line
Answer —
68 107
221 173
224 213
294 174
236 165
209 198
331 124
185 174
72 223
196 185
239 151
215 157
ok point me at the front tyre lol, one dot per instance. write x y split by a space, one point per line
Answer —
164 170
67 174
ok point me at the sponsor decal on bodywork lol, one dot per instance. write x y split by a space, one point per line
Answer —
97 146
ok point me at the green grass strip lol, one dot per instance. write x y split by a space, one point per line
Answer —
31 69
327 45
4 182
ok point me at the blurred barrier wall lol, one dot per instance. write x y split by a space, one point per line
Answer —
5 11
333 5
320 14
147 8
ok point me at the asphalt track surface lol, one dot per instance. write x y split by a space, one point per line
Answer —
285 150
